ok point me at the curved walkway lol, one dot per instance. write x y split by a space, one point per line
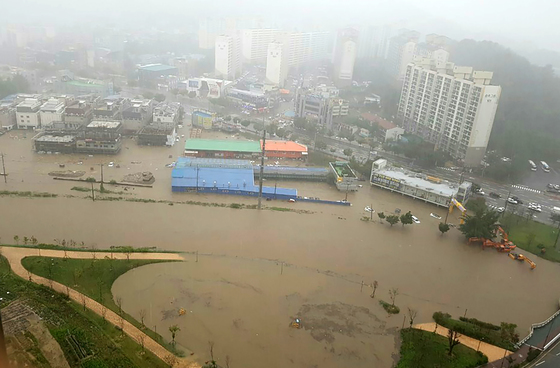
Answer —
15 255
491 351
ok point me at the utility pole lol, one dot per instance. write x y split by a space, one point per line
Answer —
4 170
505 206
262 167
92 192
101 173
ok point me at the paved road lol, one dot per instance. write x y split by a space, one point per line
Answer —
549 360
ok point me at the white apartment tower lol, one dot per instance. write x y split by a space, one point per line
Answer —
344 56
276 64
292 49
255 43
401 52
228 56
451 106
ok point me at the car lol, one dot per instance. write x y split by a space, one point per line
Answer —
415 219
369 209
111 164
494 195
512 200
535 207
291 200
550 186
435 215
500 209
479 192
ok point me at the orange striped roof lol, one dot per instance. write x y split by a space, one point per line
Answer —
284 146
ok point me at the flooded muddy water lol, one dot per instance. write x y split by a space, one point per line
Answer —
236 291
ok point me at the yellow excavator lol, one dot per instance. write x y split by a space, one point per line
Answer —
456 203
521 258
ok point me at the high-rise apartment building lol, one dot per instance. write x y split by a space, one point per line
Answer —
451 106
255 43
292 49
228 56
401 51
210 28
344 56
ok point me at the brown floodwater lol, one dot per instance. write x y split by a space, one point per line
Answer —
236 291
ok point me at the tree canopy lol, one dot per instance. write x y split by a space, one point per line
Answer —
16 84
481 224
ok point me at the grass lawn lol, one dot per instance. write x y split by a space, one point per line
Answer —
422 349
102 345
93 278
529 234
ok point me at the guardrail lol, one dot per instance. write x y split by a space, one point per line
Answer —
539 325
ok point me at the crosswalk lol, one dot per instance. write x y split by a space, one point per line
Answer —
523 187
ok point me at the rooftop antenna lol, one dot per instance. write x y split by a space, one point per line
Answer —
262 167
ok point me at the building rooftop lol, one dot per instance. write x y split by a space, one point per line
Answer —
56 139
343 169
382 123
222 145
104 124
419 181
157 67
52 105
29 103
284 146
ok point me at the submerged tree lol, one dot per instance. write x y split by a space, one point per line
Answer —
482 224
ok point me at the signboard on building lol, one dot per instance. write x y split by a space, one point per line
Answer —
202 119
386 181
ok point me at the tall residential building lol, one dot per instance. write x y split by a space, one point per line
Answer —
255 43
344 56
276 64
210 28
291 49
401 52
451 106
228 56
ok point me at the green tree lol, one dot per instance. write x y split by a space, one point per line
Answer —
321 145
392 219
245 123
16 239
443 227
347 152
453 340
381 216
159 97
482 224
406 219
174 329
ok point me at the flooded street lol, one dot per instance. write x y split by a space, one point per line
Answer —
236 293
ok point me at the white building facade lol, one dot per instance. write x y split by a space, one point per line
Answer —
276 64
228 56
52 110
27 114
344 56
451 106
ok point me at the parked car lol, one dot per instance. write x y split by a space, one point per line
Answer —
435 215
415 219
494 195
111 164
512 200
535 207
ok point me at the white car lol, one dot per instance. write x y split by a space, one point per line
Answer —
435 215
369 209
111 164
535 207
512 201
415 219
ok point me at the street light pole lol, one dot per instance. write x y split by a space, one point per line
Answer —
4 170
505 207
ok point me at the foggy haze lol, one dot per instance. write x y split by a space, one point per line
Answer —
513 23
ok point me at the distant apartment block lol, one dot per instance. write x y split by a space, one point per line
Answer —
451 106
255 43
401 52
344 56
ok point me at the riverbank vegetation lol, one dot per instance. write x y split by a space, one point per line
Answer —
423 349
94 278
503 336
86 339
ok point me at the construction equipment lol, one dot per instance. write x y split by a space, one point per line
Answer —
521 258
456 203
504 245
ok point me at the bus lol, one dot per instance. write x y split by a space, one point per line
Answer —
545 166
532 165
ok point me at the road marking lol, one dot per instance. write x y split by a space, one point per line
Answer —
526 188
539 363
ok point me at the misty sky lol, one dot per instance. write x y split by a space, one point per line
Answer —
512 22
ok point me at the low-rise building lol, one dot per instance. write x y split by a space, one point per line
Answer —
110 108
203 119
417 185
100 137
205 87
387 130
55 143
166 115
52 110
285 149
79 112
250 100
151 136
27 114
148 75
137 115
222 149
321 104
84 86
345 178
8 113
